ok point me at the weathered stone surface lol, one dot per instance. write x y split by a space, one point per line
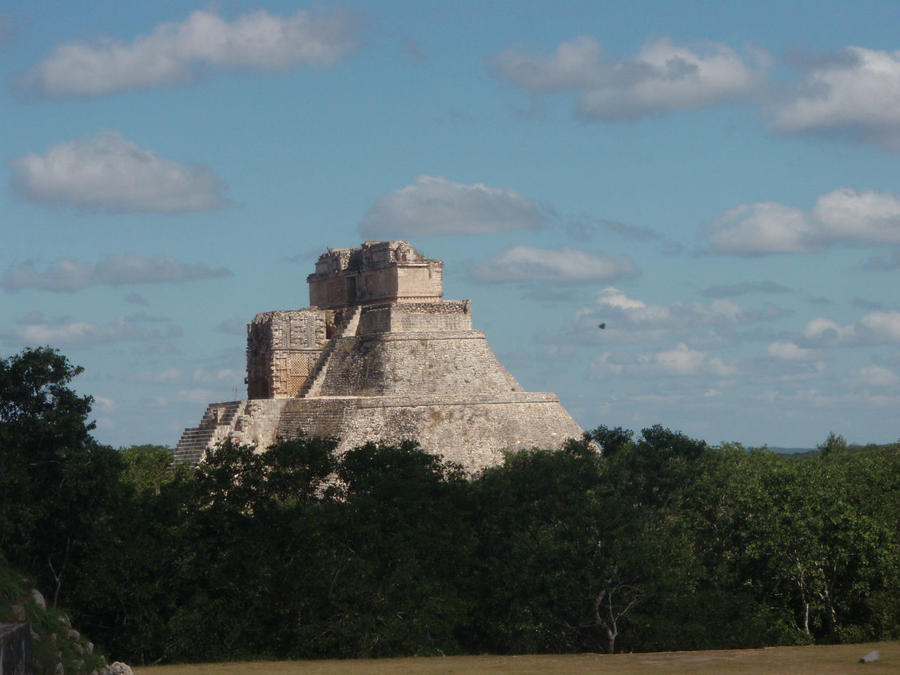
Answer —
283 348
378 356
378 271
15 648
871 657
38 598
452 363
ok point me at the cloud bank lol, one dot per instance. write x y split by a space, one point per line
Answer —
110 173
841 216
178 52
855 91
662 77
562 266
435 205
681 361
882 327
84 334
115 270
626 319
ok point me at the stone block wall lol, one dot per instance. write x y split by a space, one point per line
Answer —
377 272
473 432
283 348
15 649
450 363
446 315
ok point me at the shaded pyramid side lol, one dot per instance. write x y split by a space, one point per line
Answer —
452 364
473 431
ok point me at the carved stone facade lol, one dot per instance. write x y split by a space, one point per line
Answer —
377 272
283 349
379 356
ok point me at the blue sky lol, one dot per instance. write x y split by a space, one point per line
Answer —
715 182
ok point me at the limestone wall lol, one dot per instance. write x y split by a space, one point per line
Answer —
445 315
449 363
377 272
473 432
253 422
283 348
15 648
256 424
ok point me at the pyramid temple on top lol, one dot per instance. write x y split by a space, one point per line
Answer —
380 356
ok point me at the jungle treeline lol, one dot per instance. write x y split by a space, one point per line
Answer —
657 542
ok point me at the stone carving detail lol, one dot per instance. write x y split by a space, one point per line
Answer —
379 355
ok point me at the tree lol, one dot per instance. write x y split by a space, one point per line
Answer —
147 468
54 478
567 552
400 545
813 540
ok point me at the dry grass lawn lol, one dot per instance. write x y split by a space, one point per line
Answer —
812 660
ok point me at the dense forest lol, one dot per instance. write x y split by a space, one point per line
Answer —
658 542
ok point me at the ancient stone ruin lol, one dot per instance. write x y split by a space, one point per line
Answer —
379 356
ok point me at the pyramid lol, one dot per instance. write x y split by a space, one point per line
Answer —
380 356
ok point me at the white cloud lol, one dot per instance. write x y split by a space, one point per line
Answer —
860 216
662 77
825 331
842 215
109 173
566 266
435 205
685 361
875 376
881 326
616 317
682 361
613 297
81 333
855 91
616 307
114 270
788 351
607 365
64 275
764 227
873 328
104 403
178 52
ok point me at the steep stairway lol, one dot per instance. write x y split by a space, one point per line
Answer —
347 329
194 441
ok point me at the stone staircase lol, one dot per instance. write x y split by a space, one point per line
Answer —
194 441
321 417
347 329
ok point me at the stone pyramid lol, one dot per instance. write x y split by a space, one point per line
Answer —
379 355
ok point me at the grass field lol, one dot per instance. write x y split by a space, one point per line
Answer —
818 659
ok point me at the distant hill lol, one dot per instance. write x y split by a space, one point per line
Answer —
792 451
